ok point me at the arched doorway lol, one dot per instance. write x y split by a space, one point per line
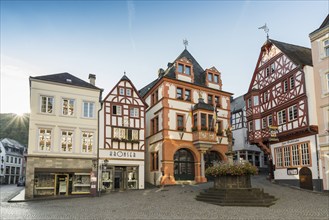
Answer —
305 178
183 165
211 157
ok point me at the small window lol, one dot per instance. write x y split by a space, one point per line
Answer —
67 141
187 95
326 47
47 104
327 81
187 70
292 112
87 142
264 124
250 126
267 71
272 68
128 92
154 125
249 103
180 122
216 78
282 117
88 109
217 101
68 107
121 91
116 110
210 77
256 101
292 82
180 68
210 99
285 86
179 93
269 120
134 112
203 121
154 161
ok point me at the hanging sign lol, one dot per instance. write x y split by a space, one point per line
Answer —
273 133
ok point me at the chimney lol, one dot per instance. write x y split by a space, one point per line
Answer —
92 79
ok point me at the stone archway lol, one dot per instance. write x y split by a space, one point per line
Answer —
184 165
305 178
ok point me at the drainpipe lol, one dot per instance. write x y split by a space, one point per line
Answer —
97 163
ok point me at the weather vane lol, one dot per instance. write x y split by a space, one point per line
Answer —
265 29
185 42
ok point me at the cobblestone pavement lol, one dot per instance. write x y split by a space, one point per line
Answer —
174 202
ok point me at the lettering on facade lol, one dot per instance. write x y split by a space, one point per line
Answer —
291 141
122 154
292 171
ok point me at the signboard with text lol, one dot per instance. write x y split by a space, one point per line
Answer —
292 171
121 154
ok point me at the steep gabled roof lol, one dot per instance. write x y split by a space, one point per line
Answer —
299 55
146 88
324 24
237 104
66 78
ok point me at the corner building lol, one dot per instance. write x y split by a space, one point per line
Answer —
281 100
184 122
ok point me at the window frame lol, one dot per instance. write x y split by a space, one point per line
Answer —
116 110
134 112
68 149
154 158
296 155
292 83
182 117
47 104
293 112
91 140
49 136
326 47
282 118
73 107
90 103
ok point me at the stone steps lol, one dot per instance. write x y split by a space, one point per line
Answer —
237 197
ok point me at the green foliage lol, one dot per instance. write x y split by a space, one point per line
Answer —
236 169
15 127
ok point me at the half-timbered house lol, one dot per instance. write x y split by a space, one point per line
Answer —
242 148
184 121
281 117
122 136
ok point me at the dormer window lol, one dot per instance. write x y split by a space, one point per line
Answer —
184 69
213 77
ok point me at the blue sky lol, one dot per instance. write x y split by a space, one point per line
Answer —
107 38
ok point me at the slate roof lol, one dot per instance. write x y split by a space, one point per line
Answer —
324 24
66 78
299 55
202 105
237 104
199 73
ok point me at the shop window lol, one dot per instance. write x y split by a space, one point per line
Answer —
44 184
81 183
47 104
132 178
295 155
68 107
305 154
87 141
44 139
154 161
67 141
116 110
278 157
286 154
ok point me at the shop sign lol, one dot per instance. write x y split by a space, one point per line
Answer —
273 133
292 171
121 154
290 142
